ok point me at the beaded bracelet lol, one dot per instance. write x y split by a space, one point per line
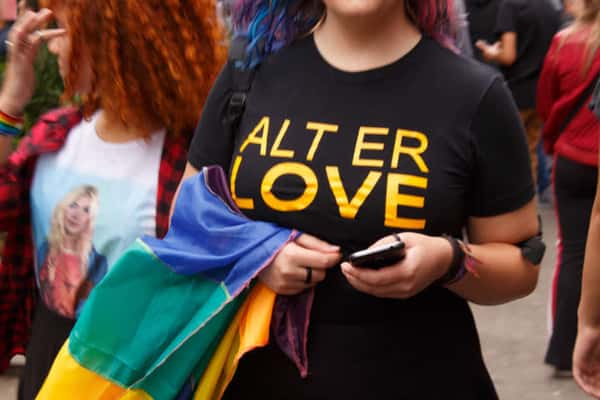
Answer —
10 125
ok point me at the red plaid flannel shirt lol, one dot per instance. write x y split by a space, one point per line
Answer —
17 282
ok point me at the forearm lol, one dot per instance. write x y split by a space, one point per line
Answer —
6 147
6 141
501 274
504 57
589 307
503 52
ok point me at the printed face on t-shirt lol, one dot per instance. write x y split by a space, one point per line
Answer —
77 216
67 262
89 202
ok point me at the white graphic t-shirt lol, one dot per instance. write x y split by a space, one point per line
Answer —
90 201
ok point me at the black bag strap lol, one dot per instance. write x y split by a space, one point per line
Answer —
581 101
242 78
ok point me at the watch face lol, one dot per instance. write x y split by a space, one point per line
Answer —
533 250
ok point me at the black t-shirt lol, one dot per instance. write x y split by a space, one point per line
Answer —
482 15
419 145
535 22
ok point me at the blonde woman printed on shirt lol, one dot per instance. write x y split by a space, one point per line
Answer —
69 264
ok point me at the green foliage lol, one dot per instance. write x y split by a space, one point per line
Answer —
48 89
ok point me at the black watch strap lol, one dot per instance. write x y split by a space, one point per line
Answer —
533 250
456 270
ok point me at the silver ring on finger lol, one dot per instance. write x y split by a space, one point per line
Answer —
308 278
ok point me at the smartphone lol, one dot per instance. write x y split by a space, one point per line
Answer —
378 257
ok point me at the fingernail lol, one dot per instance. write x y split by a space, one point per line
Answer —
345 267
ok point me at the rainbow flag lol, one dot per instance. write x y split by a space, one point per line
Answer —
173 317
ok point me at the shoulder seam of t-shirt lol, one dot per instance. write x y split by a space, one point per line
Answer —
194 153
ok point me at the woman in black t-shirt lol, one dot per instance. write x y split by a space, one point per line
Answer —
361 125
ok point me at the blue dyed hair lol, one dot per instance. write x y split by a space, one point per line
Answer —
269 25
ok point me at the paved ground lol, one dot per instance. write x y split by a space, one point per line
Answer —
8 381
513 338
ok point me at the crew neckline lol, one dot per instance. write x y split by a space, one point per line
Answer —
134 143
369 74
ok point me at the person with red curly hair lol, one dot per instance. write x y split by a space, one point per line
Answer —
142 70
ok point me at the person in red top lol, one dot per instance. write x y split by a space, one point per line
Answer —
570 67
142 70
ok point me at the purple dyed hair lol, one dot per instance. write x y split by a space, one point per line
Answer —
270 25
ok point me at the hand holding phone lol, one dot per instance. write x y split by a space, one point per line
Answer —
380 256
426 258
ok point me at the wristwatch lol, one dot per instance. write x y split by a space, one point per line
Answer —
533 250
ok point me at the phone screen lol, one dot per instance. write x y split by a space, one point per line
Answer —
378 257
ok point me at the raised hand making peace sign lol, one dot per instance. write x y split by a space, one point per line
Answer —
23 43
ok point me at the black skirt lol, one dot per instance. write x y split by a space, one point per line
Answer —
48 333
361 347
346 363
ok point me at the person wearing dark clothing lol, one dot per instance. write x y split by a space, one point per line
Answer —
303 156
534 22
481 15
525 29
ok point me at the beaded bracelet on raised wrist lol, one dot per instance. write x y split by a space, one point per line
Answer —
10 125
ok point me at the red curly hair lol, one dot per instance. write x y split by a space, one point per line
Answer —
153 61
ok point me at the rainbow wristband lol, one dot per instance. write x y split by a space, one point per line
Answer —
9 125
